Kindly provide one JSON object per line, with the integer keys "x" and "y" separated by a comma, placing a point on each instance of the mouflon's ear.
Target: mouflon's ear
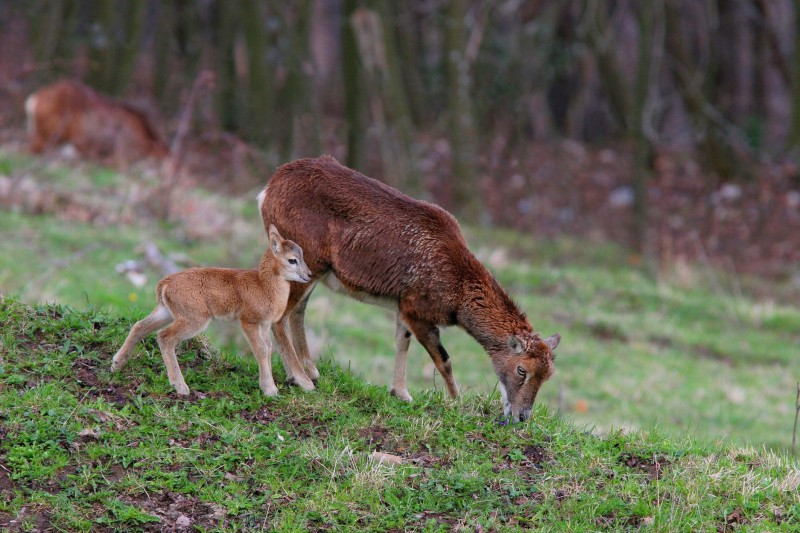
{"x": 515, "y": 344}
{"x": 552, "y": 341}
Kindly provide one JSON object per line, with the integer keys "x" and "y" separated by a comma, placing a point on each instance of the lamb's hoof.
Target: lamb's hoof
{"x": 270, "y": 391}
{"x": 116, "y": 366}
{"x": 182, "y": 389}
{"x": 401, "y": 395}
{"x": 305, "y": 384}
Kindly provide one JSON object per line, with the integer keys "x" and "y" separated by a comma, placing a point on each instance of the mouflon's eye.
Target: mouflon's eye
{"x": 292, "y": 261}
{"x": 521, "y": 371}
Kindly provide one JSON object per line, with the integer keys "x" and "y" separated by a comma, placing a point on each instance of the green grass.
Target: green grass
{"x": 686, "y": 352}
{"x": 82, "y": 450}
{"x": 672, "y": 404}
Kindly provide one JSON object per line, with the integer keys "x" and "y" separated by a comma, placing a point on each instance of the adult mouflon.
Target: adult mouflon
{"x": 365, "y": 239}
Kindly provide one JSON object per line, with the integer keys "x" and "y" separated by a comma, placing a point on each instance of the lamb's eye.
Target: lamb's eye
{"x": 292, "y": 261}
{"x": 521, "y": 371}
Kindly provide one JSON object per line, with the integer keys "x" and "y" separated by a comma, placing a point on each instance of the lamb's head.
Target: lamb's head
{"x": 289, "y": 256}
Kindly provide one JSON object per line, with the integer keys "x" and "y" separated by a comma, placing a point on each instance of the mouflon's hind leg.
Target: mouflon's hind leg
{"x": 298, "y": 331}
{"x": 402, "y": 340}
{"x": 295, "y": 375}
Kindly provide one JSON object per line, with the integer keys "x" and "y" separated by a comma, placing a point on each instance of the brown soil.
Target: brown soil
{"x": 86, "y": 377}
{"x": 654, "y": 466}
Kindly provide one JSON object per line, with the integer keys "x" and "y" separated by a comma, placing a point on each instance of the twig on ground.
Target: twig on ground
{"x": 796, "y": 413}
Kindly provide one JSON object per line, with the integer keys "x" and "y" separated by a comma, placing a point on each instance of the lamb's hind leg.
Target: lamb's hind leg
{"x": 156, "y": 320}
{"x": 168, "y": 340}
{"x": 402, "y": 341}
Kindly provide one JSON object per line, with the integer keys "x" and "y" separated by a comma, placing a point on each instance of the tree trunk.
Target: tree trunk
{"x": 101, "y": 45}
{"x": 127, "y": 47}
{"x": 716, "y": 154}
{"x": 645, "y": 15}
{"x": 794, "y": 128}
{"x": 599, "y": 37}
{"x": 227, "y": 105}
{"x": 411, "y": 65}
{"x": 461, "y": 123}
{"x": 260, "y": 89}
{"x": 295, "y": 99}
{"x": 162, "y": 50}
{"x": 53, "y": 23}
{"x": 353, "y": 89}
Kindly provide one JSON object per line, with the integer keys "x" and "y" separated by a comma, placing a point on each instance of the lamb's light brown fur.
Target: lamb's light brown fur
{"x": 68, "y": 111}
{"x": 373, "y": 243}
{"x": 189, "y": 300}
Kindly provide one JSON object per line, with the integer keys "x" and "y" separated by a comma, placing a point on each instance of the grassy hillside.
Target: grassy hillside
{"x": 81, "y": 449}
{"x": 687, "y": 351}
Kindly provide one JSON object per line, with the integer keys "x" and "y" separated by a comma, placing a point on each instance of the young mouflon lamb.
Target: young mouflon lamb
{"x": 189, "y": 300}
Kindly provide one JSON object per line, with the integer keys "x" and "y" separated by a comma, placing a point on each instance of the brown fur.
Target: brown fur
{"x": 189, "y": 300}
{"x": 370, "y": 241}
{"x": 68, "y": 111}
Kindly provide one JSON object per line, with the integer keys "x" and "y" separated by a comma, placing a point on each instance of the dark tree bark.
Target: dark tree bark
{"x": 794, "y": 127}
{"x": 260, "y": 89}
{"x": 644, "y": 16}
{"x": 126, "y": 45}
{"x": 461, "y": 122}
{"x": 354, "y": 99}
{"x": 101, "y": 45}
{"x": 227, "y": 94}
{"x": 162, "y": 48}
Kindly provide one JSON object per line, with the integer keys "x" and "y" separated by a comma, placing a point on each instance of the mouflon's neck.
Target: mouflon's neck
{"x": 488, "y": 313}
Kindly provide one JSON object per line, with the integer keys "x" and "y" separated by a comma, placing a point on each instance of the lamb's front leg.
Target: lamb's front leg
{"x": 260, "y": 344}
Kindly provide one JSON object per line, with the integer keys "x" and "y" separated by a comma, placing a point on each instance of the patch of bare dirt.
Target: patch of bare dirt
{"x": 306, "y": 426}
{"x": 613, "y": 522}
{"x": 260, "y": 416}
{"x": 654, "y": 466}
{"x": 530, "y": 465}
{"x": 178, "y": 512}
{"x": 732, "y": 521}
{"x": 202, "y": 441}
{"x": 30, "y": 518}
{"x": 6, "y": 485}
{"x": 85, "y": 371}
{"x": 376, "y": 436}
{"x": 425, "y": 519}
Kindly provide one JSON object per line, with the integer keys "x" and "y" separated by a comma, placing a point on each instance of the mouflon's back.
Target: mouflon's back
{"x": 373, "y": 237}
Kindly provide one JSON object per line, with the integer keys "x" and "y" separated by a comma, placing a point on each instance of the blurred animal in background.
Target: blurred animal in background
{"x": 69, "y": 112}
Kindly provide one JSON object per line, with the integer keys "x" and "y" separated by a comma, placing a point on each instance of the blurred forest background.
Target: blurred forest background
{"x": 669, "y": 126}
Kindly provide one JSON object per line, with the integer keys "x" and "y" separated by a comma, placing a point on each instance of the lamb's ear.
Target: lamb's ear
{"x": 274, "y": 239}
{"x": 515, "y": 344}
{"x": 552, "y": 341}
